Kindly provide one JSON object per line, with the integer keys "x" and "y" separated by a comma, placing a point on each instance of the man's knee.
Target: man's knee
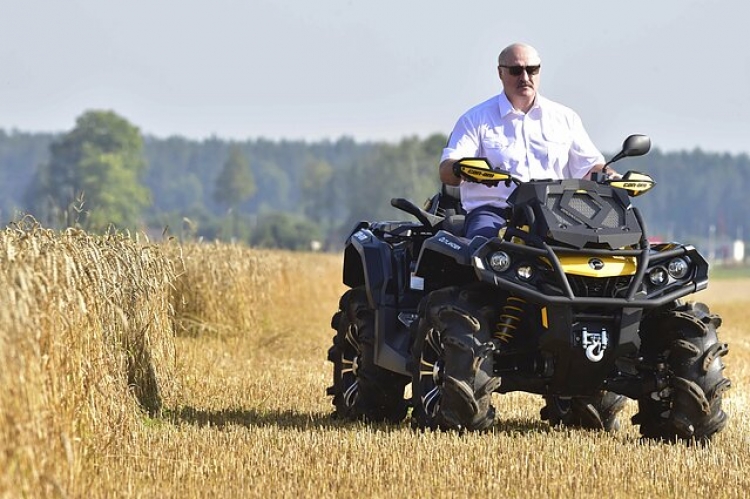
{"x": 484, "y": 223}
{"x": 486, "y": 231}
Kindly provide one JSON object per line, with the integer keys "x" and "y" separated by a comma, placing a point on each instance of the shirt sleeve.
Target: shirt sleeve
{"x": 463, "y": 142}
{"x": 583, "y": 155}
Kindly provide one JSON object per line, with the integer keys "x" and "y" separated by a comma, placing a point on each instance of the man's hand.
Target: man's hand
{"x": 446, "y": 173}
{"x": 610, "y": 173}
{"x": 457, "y": 170}
{"x": 613, "y": 175}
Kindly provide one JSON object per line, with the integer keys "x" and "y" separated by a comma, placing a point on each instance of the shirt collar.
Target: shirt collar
{"x": 506, "y": 107}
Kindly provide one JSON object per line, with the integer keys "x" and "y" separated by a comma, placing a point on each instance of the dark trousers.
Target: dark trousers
{"x": 485, "y": 221}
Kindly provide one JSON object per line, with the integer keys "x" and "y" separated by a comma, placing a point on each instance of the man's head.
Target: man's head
{"x": 518, "y": 66}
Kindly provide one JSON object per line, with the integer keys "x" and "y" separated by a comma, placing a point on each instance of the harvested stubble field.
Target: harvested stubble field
{"x": 133, "y": 369}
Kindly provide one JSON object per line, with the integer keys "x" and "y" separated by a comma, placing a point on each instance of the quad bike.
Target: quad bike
{"x": 570, "y": 301}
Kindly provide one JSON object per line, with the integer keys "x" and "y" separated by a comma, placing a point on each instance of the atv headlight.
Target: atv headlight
{"x": 657, "y": 276}
{"x": 678, "y": 268}
{"x": 500, "y": 261}
{"x": 525, "y": 272}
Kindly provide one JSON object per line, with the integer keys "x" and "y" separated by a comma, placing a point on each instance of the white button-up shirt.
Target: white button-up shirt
{"x": 548, "y": 142}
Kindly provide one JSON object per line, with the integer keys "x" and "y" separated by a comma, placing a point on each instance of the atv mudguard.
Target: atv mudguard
{"x": 367, "y": 262}
{"x": 372, "y": 263}
{"x": 445, "y": 259}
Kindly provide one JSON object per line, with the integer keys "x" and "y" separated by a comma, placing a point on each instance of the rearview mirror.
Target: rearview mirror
{"x": 634, "y": 145}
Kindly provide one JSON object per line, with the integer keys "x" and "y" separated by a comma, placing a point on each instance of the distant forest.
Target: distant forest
{"x": 316, "y": 191}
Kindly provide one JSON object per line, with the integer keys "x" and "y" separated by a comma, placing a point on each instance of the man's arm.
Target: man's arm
{"x": 446, "y": 173}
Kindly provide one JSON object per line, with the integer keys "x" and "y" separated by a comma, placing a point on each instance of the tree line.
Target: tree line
{"x": 105, "y": 174}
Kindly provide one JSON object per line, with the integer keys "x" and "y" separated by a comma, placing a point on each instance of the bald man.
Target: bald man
{"x": 519, "y": 131}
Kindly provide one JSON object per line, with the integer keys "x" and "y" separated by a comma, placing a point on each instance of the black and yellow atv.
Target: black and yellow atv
{"x": 571, "y": 302}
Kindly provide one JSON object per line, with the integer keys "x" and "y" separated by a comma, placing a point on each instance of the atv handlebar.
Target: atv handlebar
{"x": 479, "y": 170}
{"x": 427, "y": 219}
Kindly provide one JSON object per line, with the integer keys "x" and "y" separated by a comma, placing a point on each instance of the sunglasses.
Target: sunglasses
{"x": 517, "y": 70}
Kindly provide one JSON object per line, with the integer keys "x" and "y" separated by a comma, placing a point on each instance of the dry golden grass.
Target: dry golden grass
{"x": 246, "y": 413}
{"x": 85, "y": 333}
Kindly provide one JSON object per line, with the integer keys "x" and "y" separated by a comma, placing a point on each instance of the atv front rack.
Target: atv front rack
{"x": 548, "y": 282}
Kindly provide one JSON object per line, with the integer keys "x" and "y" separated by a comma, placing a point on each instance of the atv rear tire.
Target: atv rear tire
{"x": 593, "y": 413}
{"x": 362, "y": 390}
{"x": 452, "y": 379}
{"x": 684, "y": 340}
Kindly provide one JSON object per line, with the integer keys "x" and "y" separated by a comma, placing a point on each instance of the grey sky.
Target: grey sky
{"x": 678, "y": 70}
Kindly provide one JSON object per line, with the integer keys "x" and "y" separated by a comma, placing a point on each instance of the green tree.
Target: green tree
{"x": 407, "y": 169}
{"x": 286, "y": 231}
{"x": 317, "y": 192}
{"x": 235, "y": 184}
{"x": 92, "y": 178}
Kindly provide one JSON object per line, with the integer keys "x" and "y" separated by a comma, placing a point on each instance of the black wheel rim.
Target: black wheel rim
{"x": 350, "y": 353}
{"x": 431, "y": 371}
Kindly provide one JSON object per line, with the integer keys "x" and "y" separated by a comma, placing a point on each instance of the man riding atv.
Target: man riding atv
{"x": 520, "y": 131}
{"x": 529, "y": 136}
{"x": 549, "y": 285}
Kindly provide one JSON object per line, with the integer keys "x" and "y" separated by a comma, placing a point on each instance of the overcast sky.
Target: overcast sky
{"x": 677, "y": 70}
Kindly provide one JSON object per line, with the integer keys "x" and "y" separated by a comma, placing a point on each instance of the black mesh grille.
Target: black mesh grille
{"x": 614, "y": 219}
{"x": 553, "y": 203}
{"x": 599, "y": 287}
{"x": 582, "y": 208}
{"x": 584, "y": 205}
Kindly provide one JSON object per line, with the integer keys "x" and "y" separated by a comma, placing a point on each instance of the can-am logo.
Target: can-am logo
{"x": 596, "y": 264}
{"x": 479, "y": 173}
{"x": 636, "y": 185}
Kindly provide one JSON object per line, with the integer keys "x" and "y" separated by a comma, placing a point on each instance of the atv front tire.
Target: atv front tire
{"x": 452, "y": 379}
{"x": 598, "y": 412}
{"x": 362, "y": 390}
{"x": 684, "y": 341}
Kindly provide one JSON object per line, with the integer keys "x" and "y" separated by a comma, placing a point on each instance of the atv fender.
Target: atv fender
{"x": 367, "y": 262}
{"x": 447, "y": 259}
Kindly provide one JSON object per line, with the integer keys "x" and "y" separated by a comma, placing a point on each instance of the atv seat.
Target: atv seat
{"x": 450, "y": 206}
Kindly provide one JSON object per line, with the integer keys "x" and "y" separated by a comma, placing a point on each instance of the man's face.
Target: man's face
{"x": 521, "y": 87}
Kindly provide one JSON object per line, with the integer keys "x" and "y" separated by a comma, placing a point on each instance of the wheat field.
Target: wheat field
{"x": 133, "y": 369}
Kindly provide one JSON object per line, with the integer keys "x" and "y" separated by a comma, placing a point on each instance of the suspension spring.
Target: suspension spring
{"x": 510, "y": 319}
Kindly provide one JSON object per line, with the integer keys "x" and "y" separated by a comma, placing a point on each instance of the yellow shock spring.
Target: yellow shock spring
{"x": 509, "y": 319}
